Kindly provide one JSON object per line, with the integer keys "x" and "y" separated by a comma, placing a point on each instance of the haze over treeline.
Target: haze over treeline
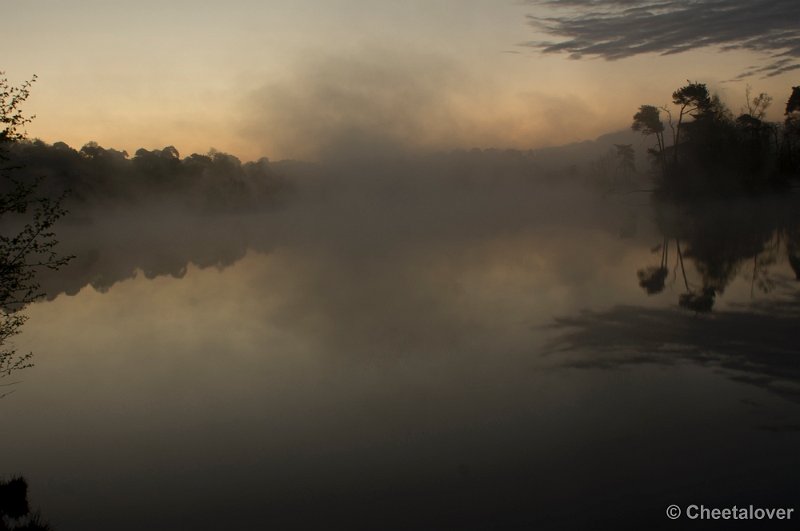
{"x": 697, "y": 145}
{"x": 157, "y": 212}
{"x": 368, "y": 192}
{"x": 97, "y": 176}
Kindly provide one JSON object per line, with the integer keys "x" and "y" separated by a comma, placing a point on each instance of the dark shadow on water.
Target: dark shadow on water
{"x": 756, "y": 344}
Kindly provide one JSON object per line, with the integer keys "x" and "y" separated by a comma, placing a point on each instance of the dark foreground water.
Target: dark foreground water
{"x": 397, "y": 360}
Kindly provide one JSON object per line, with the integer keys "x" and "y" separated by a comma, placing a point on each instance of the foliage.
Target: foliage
{"x": 27, "y": 241}
{"x": 714, "y": 154}
{"x": 790, "y": 152}
{"x": 793, "y": 105}
{"x": 100, "y": 177}
{"x": 11, "y": 116}
{"x": 648, "y": 121}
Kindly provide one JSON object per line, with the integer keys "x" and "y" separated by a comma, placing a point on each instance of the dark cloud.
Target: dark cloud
{"x": 619, "y": 29}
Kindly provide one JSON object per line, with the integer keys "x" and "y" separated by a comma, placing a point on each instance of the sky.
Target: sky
{"x": 304, "y": 78}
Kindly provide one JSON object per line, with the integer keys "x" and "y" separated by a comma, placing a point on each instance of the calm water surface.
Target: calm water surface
{"x": 406, "y": 361}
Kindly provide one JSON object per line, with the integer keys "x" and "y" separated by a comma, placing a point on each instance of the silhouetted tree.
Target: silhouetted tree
{"x": 626, "y": 160}
{"x": 793, "y": 104}
{"x": 27, "y": 242}
{"x": 692, "y": 100}
{"x": 791, "y": 145}
{"x": 648, "y": 121}
{"x": 615, "y": 168}
{"x": 714, "y": 154}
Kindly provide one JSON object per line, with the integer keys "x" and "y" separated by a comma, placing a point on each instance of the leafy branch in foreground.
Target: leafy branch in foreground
{"x": 27, "y": 240}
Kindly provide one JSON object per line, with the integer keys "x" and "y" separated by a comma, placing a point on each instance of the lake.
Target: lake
{"x": 402, "y": 355}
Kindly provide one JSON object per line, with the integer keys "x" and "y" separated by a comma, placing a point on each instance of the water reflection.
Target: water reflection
{"x": 110, "y": 247}
{"x": 756, "y": 343}
{"x": 704, "y": 249}
{"x": 353, "y": 219}
{"x": 721, "y": 240}
{"x": 365, "y": 359}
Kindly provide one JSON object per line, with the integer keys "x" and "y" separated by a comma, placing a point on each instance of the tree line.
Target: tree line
{"x": 701, "y": 149}
{"x": 97, "y": 176}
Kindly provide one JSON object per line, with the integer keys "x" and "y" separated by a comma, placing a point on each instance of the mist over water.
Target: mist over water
{"x": 409, "y": 340}
{"x": 377, "y": 326}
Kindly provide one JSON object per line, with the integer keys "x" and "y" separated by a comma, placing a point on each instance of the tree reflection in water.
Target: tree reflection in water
{"x": 753, "y": 342}
{"x": 721, "y": 240}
